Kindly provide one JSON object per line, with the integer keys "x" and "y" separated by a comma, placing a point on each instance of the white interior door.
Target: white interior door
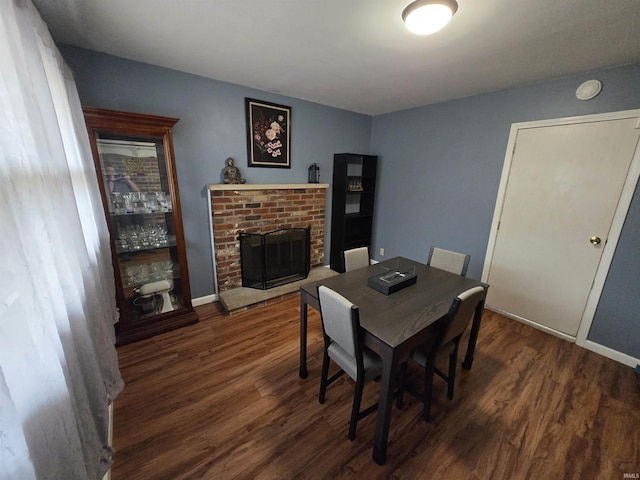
{"x": 561, "y": 189}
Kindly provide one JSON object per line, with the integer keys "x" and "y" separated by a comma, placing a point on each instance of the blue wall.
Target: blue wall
{"x": 212, "y": 127}
{"x": 617, "y": 320}
{"x": 439, "y": 165}
{"x": 440, "y": 168}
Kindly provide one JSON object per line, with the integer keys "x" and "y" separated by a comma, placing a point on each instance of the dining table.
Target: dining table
{"x": 393, "y": 324}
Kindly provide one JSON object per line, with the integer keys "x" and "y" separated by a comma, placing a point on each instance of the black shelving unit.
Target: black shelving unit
{"x": 354, "y": 186}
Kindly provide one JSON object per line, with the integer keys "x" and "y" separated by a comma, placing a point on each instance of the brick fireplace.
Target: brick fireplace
{"x": 257, "y": 208}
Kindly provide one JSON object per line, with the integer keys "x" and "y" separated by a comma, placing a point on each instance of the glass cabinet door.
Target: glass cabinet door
{"x": 134, "y": 161}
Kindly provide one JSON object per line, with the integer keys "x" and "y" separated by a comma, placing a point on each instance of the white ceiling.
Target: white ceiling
{"x": 356, "y": 54}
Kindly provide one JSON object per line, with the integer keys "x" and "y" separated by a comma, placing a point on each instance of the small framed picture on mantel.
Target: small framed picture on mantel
{"x": 268, "y": 134}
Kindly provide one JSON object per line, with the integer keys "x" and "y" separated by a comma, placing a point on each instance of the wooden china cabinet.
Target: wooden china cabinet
{"x": 134, "y": 160}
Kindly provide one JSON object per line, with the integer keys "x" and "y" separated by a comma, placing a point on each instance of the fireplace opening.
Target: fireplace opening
{"x": 275, "y": 258}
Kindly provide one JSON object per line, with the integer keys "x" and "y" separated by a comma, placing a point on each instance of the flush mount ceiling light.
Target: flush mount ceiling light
{"x": 589, "y": 89}
{"x": 423, "y": 17}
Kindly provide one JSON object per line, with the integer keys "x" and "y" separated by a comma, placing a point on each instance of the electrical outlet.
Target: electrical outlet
{"x": 381, "y": 252}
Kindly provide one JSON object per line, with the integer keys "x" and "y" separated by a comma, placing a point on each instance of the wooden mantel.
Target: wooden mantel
{"x": 266, "y": 186}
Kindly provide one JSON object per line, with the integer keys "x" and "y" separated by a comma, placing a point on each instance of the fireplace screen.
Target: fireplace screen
{"x": 275, "y": 258}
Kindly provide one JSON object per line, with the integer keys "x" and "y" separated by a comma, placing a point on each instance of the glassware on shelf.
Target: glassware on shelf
{"x": 142, "y": 237}
{"x": 138, "y": 274}
{"x": 140, "y": 202}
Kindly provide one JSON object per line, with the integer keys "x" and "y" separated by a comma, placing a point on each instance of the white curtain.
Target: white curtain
{"x": 58, "y": 363}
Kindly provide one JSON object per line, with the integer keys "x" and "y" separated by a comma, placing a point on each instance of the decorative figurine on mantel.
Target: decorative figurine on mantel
{"x": 231, "y": 173}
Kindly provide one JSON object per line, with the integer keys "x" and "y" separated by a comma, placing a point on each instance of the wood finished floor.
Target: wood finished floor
{"x": 222, "y": 400}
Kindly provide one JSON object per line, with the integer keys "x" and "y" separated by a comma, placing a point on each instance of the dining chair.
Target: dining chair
{"x": 356, "y": 258}
{"x": 343, "y": 345}
{"x": 453, "y": 262}
{"x": 444, "y": 342}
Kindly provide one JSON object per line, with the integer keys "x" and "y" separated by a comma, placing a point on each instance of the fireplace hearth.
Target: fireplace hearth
{"x": 275, "y": 258}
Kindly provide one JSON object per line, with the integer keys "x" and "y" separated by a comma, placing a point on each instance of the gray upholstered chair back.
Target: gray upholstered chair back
{"x": 468, "y": 301}
{"x": 453, "y": 262}
{"x": 356, "y": 258}
{"x": 338, "y": 320}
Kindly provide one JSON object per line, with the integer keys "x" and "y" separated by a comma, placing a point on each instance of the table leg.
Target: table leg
{"x": 385, "y": 402}
{"x": 473, "y": 336}
{"x": 303, "y": 335}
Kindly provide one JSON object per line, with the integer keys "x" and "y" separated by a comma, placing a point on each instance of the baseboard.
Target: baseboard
{"x": 196, "y": 302}
{"x": 535, "y": 325}
{"x": 589, "y": 345}
{"x": 612, "y": 354}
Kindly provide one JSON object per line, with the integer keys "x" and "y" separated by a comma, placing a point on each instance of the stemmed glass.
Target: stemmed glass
{"x": 118, "y": 202}
{"x": 162, "y": 234}
{"x": 152, "y": 202}
{"x": 164, "y": 201}
{"x": 167, "y": 265}
{"x": 124, "y": 238}
{"x": 140, "y": 202}
{"x": 128, "y": 202}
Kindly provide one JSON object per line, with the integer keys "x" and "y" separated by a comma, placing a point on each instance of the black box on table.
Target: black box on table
{"x": 393, "y": 280}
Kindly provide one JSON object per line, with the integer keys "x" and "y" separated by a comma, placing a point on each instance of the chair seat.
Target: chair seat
{"x": 420, "y": 353}
{"x": 371, "y": 361}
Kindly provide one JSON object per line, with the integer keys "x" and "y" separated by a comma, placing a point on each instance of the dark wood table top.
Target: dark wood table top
{"x": 416, "y": 306}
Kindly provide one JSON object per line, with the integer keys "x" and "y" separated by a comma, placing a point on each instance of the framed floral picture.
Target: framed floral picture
{"x": 268, "y": 134}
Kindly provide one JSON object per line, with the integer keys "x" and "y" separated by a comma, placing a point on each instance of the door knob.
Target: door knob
{"x": 595, "y": 240}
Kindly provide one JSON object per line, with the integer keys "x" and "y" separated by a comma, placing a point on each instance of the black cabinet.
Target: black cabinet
{"x": 133, "y": 155}
{"x": 354, "y": 186}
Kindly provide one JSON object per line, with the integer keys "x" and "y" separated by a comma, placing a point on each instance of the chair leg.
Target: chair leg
{"x": 323, "y": 376}
{"x": 451, "y": 377}
{"x": 403, "y": 374}
{"x": 429, "y": 372}
{"x": 355, "y": 410}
